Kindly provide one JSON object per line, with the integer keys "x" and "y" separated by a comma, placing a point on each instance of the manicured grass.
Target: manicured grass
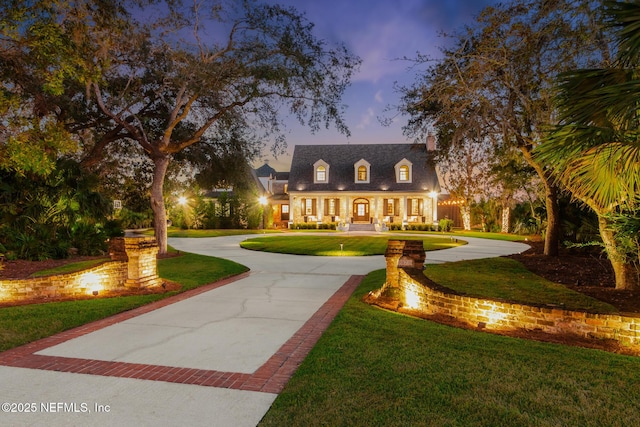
{"x": 71, "y": 267}
{"x": 478, "y": 234}
{"x": 23, "y": 324}
{"x": 507, "y": 279}
{"x": 330, "y": 245}
{"x": 27, "y": 323}
{"x": 373, "y": 367}
{"x": 177, "y": 232}
{"x": 192, "y": 270}
{"x": 493, "y": 236}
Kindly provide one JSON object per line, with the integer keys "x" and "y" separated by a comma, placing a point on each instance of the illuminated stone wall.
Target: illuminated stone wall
{"x": 133, "y": 264}
{"x": 408, "y": 290}
{"x": 108, "y": 276}
{"x": 423, "y": 296}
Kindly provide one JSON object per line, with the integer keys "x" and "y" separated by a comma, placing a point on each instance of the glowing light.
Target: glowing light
{"x": 494, "y": 315}
{"x": 262, "y": 200}
{"x": 182, "y": 200}
{"x": 412, "y": 299}
{"x": 92, "y": 282}
{"x": 433, "y": 195}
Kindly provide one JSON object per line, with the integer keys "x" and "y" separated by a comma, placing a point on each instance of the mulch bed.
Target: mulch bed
{"x": 584, "y": 270}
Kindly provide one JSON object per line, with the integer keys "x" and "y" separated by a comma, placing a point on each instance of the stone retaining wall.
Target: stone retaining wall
{"x": 133, "y": 264}
{"x": 108, "y": 276}
{"x": 408, "y": 289}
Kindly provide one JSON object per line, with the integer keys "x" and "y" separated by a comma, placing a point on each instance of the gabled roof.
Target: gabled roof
{"x": 265, "y": 171}
{"x": 282, "y": 176}
{"x": 382, "y": 158}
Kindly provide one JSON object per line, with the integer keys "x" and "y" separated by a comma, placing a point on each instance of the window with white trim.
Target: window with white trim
{"x": 404, "y": 171}
{"x": 362, "y": 171}
{"x": 320, "y": 172}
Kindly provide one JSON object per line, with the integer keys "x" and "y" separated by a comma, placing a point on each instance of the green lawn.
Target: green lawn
{"x": 23, "y": 324}
{"x": 338, "y": 245}
{"x": 177, "y": 232}
{"x": 70, "y": 267}
{"x": 507, "y": 279}
{"x": 472, "y": 233}
{"x": 378, "y": 368}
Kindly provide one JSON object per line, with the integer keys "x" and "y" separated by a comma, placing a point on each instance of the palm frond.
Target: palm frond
{"x": 624, "y": 17}
{"x": 605, "y": 98}
{"x": 603, "y": 176}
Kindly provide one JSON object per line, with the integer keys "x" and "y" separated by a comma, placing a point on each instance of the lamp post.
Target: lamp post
{"x": 263, "y": 202}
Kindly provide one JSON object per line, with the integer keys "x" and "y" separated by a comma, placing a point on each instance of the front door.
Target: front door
{"x": 361, "y": 210}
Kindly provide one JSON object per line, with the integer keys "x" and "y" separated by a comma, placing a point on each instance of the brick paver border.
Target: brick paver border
{"x": 271, "y": 377}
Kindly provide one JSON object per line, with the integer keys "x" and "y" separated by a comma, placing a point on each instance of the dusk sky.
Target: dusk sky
{"x": 380, "y": 32}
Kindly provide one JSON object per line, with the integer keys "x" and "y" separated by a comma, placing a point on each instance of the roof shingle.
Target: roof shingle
{"x": 341, "y": 160}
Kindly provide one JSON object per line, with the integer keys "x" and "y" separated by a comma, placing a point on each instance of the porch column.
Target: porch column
{"x": 376, "y": 216}
{"x": 294, "y": 208}
{"x": 405, "y": 217}
{"x": 434, "y": 206}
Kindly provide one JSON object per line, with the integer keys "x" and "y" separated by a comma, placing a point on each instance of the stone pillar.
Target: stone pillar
{"x": 413, "y": 255}
{"x": 140, "y": 254}
{"x": 392, "y": 255}
{"x": 402, "y": 254}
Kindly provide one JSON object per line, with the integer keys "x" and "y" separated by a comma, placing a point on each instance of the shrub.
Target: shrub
{"x": 445, "y": 224}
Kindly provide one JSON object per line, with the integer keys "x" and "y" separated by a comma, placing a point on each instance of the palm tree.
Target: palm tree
{"x": 595, "y": 151}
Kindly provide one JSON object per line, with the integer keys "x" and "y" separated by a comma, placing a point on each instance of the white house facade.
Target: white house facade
{"x": 376, "y": 184}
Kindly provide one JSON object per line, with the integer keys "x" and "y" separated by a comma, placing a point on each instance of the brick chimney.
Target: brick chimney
{"x": 431, "y": 142}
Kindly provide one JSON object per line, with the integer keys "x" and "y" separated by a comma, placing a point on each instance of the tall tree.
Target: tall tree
{"x": 595, "y": 151}
{"x": 170, "y": 76}
{"x": 510, "y": 180}
{"x": 42, "y": 47}
{"x": 465, "y": 172}
{"x": 498, "y": 76}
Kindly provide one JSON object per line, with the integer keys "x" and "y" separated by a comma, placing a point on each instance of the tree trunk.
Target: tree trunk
{"x": 552, "y": 236}
{"x": 506, "y": 219}
{"x": 157, "y": 202}
{"x": 624, "y": 271}
{"x": 465, "y": 212}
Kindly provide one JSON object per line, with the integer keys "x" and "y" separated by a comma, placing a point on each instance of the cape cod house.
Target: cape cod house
{"x": 374, "y": 184}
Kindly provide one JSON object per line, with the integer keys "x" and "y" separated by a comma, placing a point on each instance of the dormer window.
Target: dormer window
{"x": 320, "y": 172}
{"x": 404, "y": 171}
{"x": 362, "y": 171}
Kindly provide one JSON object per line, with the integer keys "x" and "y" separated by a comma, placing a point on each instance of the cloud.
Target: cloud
{"x": 382, "y": 32}
{"x": 378, "y": 97}
{"x": 365, "y": 119}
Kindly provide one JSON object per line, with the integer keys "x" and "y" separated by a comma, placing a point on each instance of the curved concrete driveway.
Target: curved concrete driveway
{"x": 218, "y": 358}
{"x": 229, "y": 248}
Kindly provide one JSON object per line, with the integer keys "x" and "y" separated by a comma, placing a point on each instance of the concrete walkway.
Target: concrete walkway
{"x": 214, "y": 356}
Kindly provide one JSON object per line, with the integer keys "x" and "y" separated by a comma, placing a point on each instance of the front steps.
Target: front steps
{"x": 362, "y": 227}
